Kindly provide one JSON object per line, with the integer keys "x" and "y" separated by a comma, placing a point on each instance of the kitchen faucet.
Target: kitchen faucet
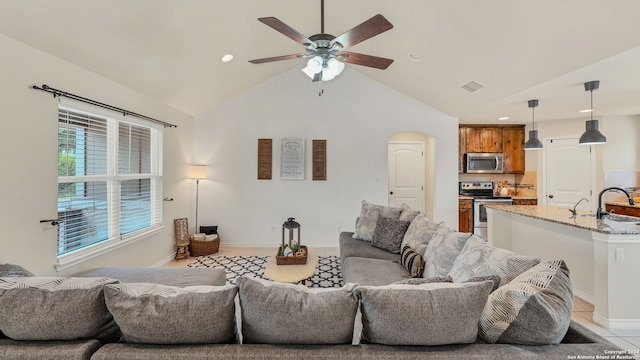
{"x": 578, "y": 203}
{"x": 600, "y": 212}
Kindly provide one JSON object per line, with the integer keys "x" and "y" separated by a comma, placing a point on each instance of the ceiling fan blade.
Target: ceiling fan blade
{"x": 368, "y": 29}
{"x": 287, "y": 31}
{"x": 277, "y": 58}
{"x": 366, "y": 60}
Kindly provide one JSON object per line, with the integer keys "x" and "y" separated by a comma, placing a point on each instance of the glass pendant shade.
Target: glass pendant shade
{"x": 592, "y": 135}
{"x": 533, "y": 143}
{"x": 314, "y": 66}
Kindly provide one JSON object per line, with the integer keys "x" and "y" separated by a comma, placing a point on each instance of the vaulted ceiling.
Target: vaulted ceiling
{"x": 518, "y": 50}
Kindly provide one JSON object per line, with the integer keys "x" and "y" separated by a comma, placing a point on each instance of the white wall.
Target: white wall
{"x": 28, "y": 144}
{"x": 356, "y": 116}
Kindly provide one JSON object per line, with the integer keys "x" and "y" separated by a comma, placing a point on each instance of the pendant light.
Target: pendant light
{"x": 533, "y": 143}
{"x": 592, "y": 136}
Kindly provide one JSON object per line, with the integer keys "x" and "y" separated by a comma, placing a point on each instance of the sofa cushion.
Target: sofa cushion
{"x": 407, "y": 213}
{"x": 350, "y": 247}
{"x": 48, "y": 350}
{"x": 495, "y": 279}
{"x": 533, "y": 309}
{"x": 172, "y": 276}
{"x": 479, "y": 258}
{"x": 54, "y": 308}
{"x": 428, "y": 314}
{"x": 412, "y": 262}
{"x": 277, "y": 313}
{"x": 161, "y": 314}
{"x": 366, "y": 271}
{"x": 389, "y": 233}
{"x": 419, "y": 233}
{"x": 366, "y": 223}
{"x": 442, "y": 250}
{"x": 11, "y": 270}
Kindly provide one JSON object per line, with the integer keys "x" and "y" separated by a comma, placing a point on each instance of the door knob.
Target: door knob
{"x": 391, "y": 192}
{"x": 550, "y": 196}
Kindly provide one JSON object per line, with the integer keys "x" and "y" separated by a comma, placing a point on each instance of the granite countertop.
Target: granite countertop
{"x": 584, "y": 219}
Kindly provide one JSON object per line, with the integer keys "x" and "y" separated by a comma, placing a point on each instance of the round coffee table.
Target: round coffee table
{"x": 292, "y": 273}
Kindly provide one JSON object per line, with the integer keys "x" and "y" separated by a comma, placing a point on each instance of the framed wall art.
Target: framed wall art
{"x": 292, "y": 159}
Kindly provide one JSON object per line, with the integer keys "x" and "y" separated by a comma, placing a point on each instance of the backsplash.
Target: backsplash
{"x": 629, "y": 181}
{"x": 523, "y": 185}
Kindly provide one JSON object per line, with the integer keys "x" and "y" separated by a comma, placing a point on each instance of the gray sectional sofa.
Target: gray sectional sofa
{"x": 389, "y": 308}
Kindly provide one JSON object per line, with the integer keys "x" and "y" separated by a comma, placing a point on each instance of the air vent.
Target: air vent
{"x": 472, "y": 86}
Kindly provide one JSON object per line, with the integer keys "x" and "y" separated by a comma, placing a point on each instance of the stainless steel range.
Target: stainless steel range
{"x": 483, "y": 193}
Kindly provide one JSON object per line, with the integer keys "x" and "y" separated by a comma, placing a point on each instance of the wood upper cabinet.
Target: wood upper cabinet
{"x": 484, "y": 139}
{"x": 513, "y": 150}
{"x": 505, "y": 139}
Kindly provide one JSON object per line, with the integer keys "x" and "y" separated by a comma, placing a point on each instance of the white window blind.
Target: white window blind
{"x": 109, "y": 179}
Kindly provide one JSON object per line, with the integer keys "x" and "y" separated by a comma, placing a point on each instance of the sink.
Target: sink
{"x": 622, "y": 219}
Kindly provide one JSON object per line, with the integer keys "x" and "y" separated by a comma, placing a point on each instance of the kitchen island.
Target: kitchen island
{"x": 602, "y": 255}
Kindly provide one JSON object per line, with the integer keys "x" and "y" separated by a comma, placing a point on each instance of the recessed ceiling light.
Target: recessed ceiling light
{"x": 415, "y": 57}
{"x": 586, "y": 110}
{"x": 504, "y": 118}
{"x": 226, "y": 58}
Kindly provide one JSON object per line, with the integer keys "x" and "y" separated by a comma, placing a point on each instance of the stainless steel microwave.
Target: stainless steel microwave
{"x": 484, "y": 163}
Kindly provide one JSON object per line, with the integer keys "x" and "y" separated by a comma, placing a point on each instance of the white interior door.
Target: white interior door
{"x": 406, "y": 174}
{"x": 567, "y": 173}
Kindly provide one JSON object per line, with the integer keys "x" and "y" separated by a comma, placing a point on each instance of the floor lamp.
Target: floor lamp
{"x": 197, "y": 172}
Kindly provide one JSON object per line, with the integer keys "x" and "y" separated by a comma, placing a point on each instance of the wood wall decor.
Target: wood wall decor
{"x": 319, "y": 159}
{"x": 265, "y": 150}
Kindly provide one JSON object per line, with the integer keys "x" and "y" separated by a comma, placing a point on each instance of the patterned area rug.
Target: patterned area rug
{"x": 327, "y": 275}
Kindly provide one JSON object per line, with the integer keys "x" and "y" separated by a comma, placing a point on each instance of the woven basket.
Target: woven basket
{"x": 204, "y": 247}
{"x": 291, "y": 260}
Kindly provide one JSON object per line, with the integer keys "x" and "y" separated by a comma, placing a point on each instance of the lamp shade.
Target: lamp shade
{"x": 592, "y": 136}
{"x": 198, "y": 172}
{"x": 533, "y": 143}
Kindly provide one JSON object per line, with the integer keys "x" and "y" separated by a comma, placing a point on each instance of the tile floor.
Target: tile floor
{"x": 582, "y": 312}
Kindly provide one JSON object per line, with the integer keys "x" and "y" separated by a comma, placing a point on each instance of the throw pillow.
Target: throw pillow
{"x": 54, "y": 308}
{"x": 407, "y": 213}
{"x": 389, "y": 233}
{"x": 11, "y": 270}
{"x": 162, "y": 314}
{"x": 495, "y": 279}
{"x": 366, "y": 223}
{"x": 533, "y": 309}
{"x": 419, "y": 233}
{"x": 479, "y": 258}
{"x": 442, "y": 250}
{"x": 277, "y": 313}
{"x": 412, "y": 262}
{"x": 428, "y": 314}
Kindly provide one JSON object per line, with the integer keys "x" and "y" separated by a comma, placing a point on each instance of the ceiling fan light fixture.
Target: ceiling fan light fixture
{"x": 314, "y": 66}
{"x": 331, "y": 69}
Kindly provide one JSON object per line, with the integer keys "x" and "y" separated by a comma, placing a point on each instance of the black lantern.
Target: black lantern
{"x": 291, "y": 233}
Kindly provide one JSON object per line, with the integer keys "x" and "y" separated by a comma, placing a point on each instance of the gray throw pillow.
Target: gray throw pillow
{"x": 277, "y": 313}
{"x": 389, "y": 233}
{"x": 162, "y": 314}
{"x": 428, "y": 314}
{"x": 533, "y": 309}
{"x": 407, "y": 213}
{"x": 495, "y": 279}
{"x": 366, "y": 223}
{"x": 442, "y": 251}
{"x": 11, "y": 270}
{"x": 54, "y": 308}
{"x": 479, "y": 258}
{"x": 419, "y": 233}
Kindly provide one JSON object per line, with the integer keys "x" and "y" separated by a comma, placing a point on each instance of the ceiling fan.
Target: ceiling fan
{"x": 325, "y": 52}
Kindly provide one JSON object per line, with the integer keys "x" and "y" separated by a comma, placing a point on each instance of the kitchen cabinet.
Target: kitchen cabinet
{"x": 505, "y": 139}
{"x": 623, "y": 209}
{"x": 462, "y": 148}
{"x": 484, "y": 139}
{"x": 465, "y": 215}
{"x": 513, "y": 150}
{"x": 525, "y": 201}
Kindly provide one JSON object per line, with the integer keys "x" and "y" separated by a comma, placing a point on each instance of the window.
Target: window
{"x": 109, "y": 181}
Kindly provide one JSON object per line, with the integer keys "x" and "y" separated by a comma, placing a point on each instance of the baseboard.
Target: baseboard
{"x": 616, "y": 323}
{"x": 165, "y": 261}
{"x": 588, "y": 298}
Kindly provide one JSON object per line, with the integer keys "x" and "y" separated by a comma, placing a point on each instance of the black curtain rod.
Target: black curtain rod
{"x": 57, "y": 92}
